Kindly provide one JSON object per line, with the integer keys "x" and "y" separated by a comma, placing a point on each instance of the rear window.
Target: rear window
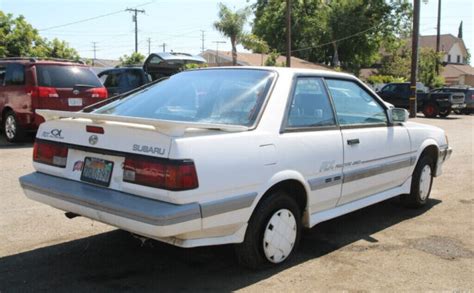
{"x": 59, "y": 76}
{"x": 220, "y": 96}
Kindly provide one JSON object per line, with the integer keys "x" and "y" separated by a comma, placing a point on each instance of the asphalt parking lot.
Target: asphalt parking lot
{"x": 384, "y": 247}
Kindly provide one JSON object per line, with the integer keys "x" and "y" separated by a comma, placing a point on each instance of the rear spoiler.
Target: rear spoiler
{"x": 172, "y": 128}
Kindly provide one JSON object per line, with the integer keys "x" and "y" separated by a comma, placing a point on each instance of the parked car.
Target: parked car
{"x": 431, "y": 104}
{"x": 28, "y": 84}
{"x": 123, "y": 79}
{"x": 159, "y": 65}
{"x": 245, "y": 155}
{"x": 468, "y": 96}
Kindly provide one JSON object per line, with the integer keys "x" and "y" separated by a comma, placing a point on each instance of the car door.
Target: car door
{"x": 311, "y": 143}
{"x": 3, "y": 71}
{"x": 377, "y": 155}
{"x": 112, "y": 82}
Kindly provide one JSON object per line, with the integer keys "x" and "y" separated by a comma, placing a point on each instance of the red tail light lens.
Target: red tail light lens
{"x": 164, "y": 174}
{"x": 42, "y": 92}
{"x": 99, "y": 92}
{"x": 472, "y": 97}
{"x": 94, "y": 129}
{"x": 50, "y": 153}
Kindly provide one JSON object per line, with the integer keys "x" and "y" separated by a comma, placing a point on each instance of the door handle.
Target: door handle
{"x": 353, "y": 141}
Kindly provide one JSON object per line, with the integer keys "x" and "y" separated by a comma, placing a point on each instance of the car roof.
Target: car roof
{"x": 287, "y": 70}
{"x": 33, "y": 61}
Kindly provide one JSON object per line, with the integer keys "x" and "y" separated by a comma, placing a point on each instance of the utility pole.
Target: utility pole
{"x": 94, "y": 49}
{"x": 414, "y": 57}
{"x": 438, "y": 32}
{"x": 217, "y": 50}
{"x": 288, "y": 33}
{"x": 135, "y": 19}
{"x": 202, "y": 40}
{"x": 164, "y": 47}
{"x": 149, "y": 45}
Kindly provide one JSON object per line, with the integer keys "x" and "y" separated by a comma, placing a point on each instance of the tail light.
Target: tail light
{"x": 99, "y": 92}
{"x": 165, "y": 174}
{"x": 42, "y": 92}
{"x": 50, "y": 153}
{"x": 472, "y": 97}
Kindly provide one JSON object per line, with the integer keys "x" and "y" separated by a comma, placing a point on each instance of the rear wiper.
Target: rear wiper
{"x": 99, "y": 104}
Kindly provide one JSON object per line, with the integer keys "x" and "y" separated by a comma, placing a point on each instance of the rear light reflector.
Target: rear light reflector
{"x": 50, "y": 153}
{"x": 99, "y": 92}
{"x": 94, "y": 129}
{"x": 42, "y": 92}
{"x": 164, "y": 174}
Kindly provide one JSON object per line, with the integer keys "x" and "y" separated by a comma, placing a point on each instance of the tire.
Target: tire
{"x": 13, "y": 132}
{"x": 257, "y": 250}
{"x": 430, "y": 110}
{"x": 421, "y": 183}
{"x": 444, "y": 113}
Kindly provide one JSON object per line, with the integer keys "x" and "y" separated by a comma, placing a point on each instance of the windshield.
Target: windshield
{"x": 219, "y": 96}
{"x": 60, "y": 76}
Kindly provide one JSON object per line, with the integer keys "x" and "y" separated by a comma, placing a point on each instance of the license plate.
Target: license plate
{"x": 74, "y": 102}
{"x": 97, "y": 171}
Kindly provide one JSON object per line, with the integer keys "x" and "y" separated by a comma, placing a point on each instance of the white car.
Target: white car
{"x": 234, "y": 155}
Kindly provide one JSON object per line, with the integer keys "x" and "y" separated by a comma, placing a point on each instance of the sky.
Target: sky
{"x": 177, "y": 23}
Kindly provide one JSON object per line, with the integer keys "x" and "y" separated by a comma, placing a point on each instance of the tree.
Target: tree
{"x": 427, "y": 68}
{"x": 18, "y": 38}
{"x": 254, "y": 43}
{"x": 345, "y": 32}
{"x": 231, "y": 25}
{"x": 134, "y": 59}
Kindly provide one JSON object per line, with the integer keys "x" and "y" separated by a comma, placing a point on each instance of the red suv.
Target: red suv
{"x": 27, "y": 84}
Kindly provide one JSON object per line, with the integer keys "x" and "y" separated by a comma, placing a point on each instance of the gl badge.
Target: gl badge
{"x": 93, "y": 139}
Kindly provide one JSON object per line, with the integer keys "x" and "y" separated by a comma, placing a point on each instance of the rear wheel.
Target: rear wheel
{"x": 444, "y": 113}
{"x": 273, "y": 232}
{"x": 12, "y": 130}
{"x": 422, "y": 180}
{"x": 430, "y": 110}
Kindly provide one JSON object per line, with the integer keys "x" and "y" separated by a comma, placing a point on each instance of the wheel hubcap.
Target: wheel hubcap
{"x": 10, "y": 127}
{"x": 280, "y": 236}
{"x": 425, "y": 182}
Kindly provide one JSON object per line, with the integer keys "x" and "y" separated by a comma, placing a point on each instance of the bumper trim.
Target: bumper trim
{"x": 121, "y": 204}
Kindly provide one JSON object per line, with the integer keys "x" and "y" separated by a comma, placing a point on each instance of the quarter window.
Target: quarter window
{"x": 15, "y": 74}
{"x": 354, "y": 105}
{"x": 2, "y": 74}
{"x": 310, "y": 106}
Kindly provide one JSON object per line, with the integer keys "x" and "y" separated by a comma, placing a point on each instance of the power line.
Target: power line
{"x": 91, "y": 18}
{"x": 335, "y": 41}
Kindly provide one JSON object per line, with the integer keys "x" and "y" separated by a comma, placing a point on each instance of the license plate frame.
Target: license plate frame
{"x": 89, "y": 171}
{"x": 74, "y": 102}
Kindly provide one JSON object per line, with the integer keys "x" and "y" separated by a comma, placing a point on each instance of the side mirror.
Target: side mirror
{"x": 398, "y": 115}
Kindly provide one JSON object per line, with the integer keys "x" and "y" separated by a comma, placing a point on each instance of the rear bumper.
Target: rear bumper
{"x": 136, "y": 214}
{"x": 458, "y": 106}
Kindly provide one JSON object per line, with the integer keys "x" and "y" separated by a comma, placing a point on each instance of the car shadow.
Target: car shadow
{"x": 116, "y": 261}
{"x": 27, "y": 142}
{"x": 450, "y": 117}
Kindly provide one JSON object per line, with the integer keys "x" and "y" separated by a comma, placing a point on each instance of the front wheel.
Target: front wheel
{"x": 12, "y": 130}
{"x": 422, "y": 180}
{"x": 273, "y": 232}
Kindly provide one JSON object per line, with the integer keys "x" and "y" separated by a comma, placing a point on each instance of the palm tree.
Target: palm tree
{"x": 231, "y": 25}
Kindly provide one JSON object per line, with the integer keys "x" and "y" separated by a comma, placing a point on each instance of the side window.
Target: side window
{"x": 15, "y": 74}
{"x": 389, "y": 88}
{"x": 310, "y": 105}
{"x": 103, "y": 78}
{"x": 112, "y": 80}
{"x": 2, "y": 74}
{"x": 354, "y": 105}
